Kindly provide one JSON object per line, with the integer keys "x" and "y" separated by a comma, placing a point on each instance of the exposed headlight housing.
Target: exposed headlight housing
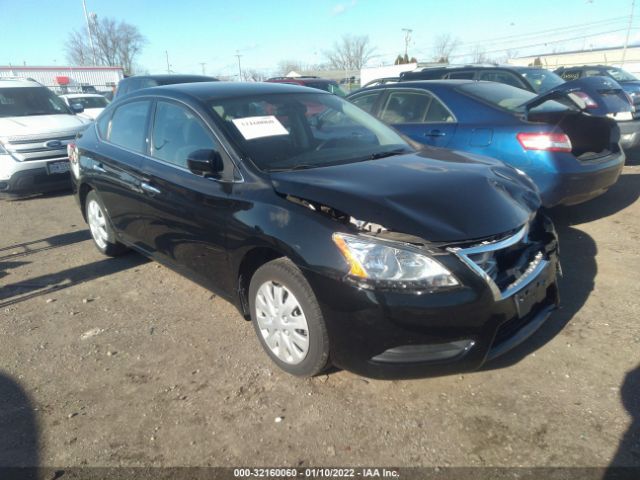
{"x": 375, "y": 263}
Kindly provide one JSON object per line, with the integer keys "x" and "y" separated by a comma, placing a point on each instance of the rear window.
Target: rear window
{"x": 540, "y": 79}
{"x": 327, "y": 87}
{"x": 505, "y": 96}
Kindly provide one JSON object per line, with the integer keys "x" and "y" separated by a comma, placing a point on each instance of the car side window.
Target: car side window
{"x": 405, "y": 107}
{"x": 103, "y": 124}
{"x": 129, "y": 125}
{"x": 502, "y": 77}
{"x": 569, "y": 75}
{"x": 466, "y": 75}
{"x": 177, "y": 132}
{"x": 594, "y": 73}
{"x": 438, "y": 113}
{"x": 366, "y": 101}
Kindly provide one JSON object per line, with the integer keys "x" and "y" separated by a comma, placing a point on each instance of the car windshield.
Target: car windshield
{"x": 25, "y": 101}
{"x": 505, "y": 96}
{"x": 540, "y": 79}
{"x": 620, "y": 75}
{"x": 304, "y": 130}
{"x": 89, "y": 102}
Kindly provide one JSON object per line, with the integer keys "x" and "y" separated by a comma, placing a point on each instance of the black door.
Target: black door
{"x": 117, "y": 167}
{"x": 188, "y": 213}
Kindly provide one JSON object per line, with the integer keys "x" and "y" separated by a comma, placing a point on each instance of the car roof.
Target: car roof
{"x": 14, "y": 82}
{"x": 300, "y": 80}
{"x": 172, "y": 77}
{"x": 208, "y": 90}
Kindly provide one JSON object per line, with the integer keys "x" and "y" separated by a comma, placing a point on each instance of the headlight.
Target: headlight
{"x": 391, "y": 265}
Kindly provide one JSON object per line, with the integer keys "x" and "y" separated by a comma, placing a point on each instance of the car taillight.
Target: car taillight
{"x": 550, "y": 142}
{"x": 589, "y": 102}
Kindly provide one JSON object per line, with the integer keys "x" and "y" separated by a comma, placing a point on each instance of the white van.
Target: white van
{"x": 35, "y": 127}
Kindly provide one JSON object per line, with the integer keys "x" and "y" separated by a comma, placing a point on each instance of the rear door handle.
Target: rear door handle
{"x": 150, "y": 188}
{"x": 435, "y": 133}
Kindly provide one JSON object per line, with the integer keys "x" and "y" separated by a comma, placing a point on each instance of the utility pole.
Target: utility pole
{"x": 407, "y": 38}
{"x": 239, "y": 66}
{"x": 202, "y": 64}
{"x": 166, "y": 52}
{"x": 626, "y": 40}
{"x": 86, "y": 18}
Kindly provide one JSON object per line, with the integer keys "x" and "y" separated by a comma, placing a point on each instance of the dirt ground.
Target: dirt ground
{"x": 121, "y": 362}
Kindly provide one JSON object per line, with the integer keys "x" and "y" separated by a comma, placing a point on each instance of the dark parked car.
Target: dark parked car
{"x": 608, "y": 98}
{"x": 628, "y": 82}
{"x": 537, "y": 80}
{"x": 570, "y": 155}
{"x": 327, "y": 85}
{"x": 137, "y": 82}
{"x": 342, "y": 243}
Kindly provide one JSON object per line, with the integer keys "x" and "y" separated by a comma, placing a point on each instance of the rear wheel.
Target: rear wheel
{"x": 101, "y": 231}
{"x": 287, "y": 319}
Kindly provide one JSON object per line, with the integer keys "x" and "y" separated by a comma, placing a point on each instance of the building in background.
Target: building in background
{"x": 597, "y": 56}
{"x": 69, "y": 79}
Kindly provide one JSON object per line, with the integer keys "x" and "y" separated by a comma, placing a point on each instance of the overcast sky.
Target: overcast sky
{"x": 267, "y": 31}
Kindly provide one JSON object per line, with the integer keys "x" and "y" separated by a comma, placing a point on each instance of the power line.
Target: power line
{"x": 549, "y": 42}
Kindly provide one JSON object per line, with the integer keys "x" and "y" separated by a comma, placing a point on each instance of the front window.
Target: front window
{"x": 304, "y": 130}
{"x": 620, "y": 75}
{"x": 540, "y": 79}
{"x": 27, "y": 101}
{"x": 89, "y": 102}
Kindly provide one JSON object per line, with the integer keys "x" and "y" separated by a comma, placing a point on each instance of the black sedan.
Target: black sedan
{"x": 341, "y": 242}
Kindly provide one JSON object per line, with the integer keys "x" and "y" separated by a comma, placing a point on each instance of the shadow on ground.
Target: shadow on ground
{"x": 626, "y": 462}
{"x": 18, "y": 430}
{"x": 46, "y": 284}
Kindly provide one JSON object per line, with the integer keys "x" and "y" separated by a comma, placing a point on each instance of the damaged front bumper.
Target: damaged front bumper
{"x": 392, "y": 334}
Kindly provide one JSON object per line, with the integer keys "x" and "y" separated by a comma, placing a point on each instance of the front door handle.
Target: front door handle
{"x": 150, "y": 188}
{"x": 435, "y": 133}
{"x": 99, "y": 168}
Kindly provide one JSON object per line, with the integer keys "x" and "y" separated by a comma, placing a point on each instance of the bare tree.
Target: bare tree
{"x": 250, "y": 75}
{"x": 443, "y": 47}
{"x": 115, "y": 44}
{"x": 479, "y": 55}
{"x": 286, "y": 66}
{"x": 350, "y": 53}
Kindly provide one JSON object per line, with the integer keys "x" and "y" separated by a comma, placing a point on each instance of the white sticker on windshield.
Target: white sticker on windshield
{"x": 258, "y": 127}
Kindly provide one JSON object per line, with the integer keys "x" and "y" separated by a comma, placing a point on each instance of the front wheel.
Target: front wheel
{"x": 287, "y": 319}
{"x": 101, "y": 231}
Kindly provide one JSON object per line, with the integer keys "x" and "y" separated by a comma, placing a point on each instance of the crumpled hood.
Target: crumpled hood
{"x": 438, "y": 195}
{"x": 41, "y": 125}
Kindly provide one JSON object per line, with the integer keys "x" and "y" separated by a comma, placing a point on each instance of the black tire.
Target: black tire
{"x": 284, "y": 272}
{"x": 110, "y": 246}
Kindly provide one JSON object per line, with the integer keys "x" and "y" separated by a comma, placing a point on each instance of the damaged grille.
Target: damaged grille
{"x": 509, "y": 262}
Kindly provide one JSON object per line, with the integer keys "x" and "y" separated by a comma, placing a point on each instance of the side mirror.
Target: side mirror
{"x": 77, "y": 108}
{"x": 207, "y": 163}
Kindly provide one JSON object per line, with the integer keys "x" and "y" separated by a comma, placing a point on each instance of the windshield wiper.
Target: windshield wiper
{"x": 388, "y": 153}
{"x": 300, "y": 166}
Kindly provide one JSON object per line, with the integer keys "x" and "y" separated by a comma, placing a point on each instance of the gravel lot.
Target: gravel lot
{"x": 121, "y": 362}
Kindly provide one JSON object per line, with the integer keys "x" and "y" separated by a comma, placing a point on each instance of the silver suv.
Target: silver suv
{"x": 35, "y": 127}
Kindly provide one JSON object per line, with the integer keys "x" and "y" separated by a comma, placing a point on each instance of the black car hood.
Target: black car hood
{"x": 436, "y": 194}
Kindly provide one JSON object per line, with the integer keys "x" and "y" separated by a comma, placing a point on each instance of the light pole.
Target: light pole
{"x": 407, "y": 38}
{"x": 202, "y": 64}
{"x": 239, "y": 66}
{"x": 86, "y": 18}
{"x": 626, "y": 40}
